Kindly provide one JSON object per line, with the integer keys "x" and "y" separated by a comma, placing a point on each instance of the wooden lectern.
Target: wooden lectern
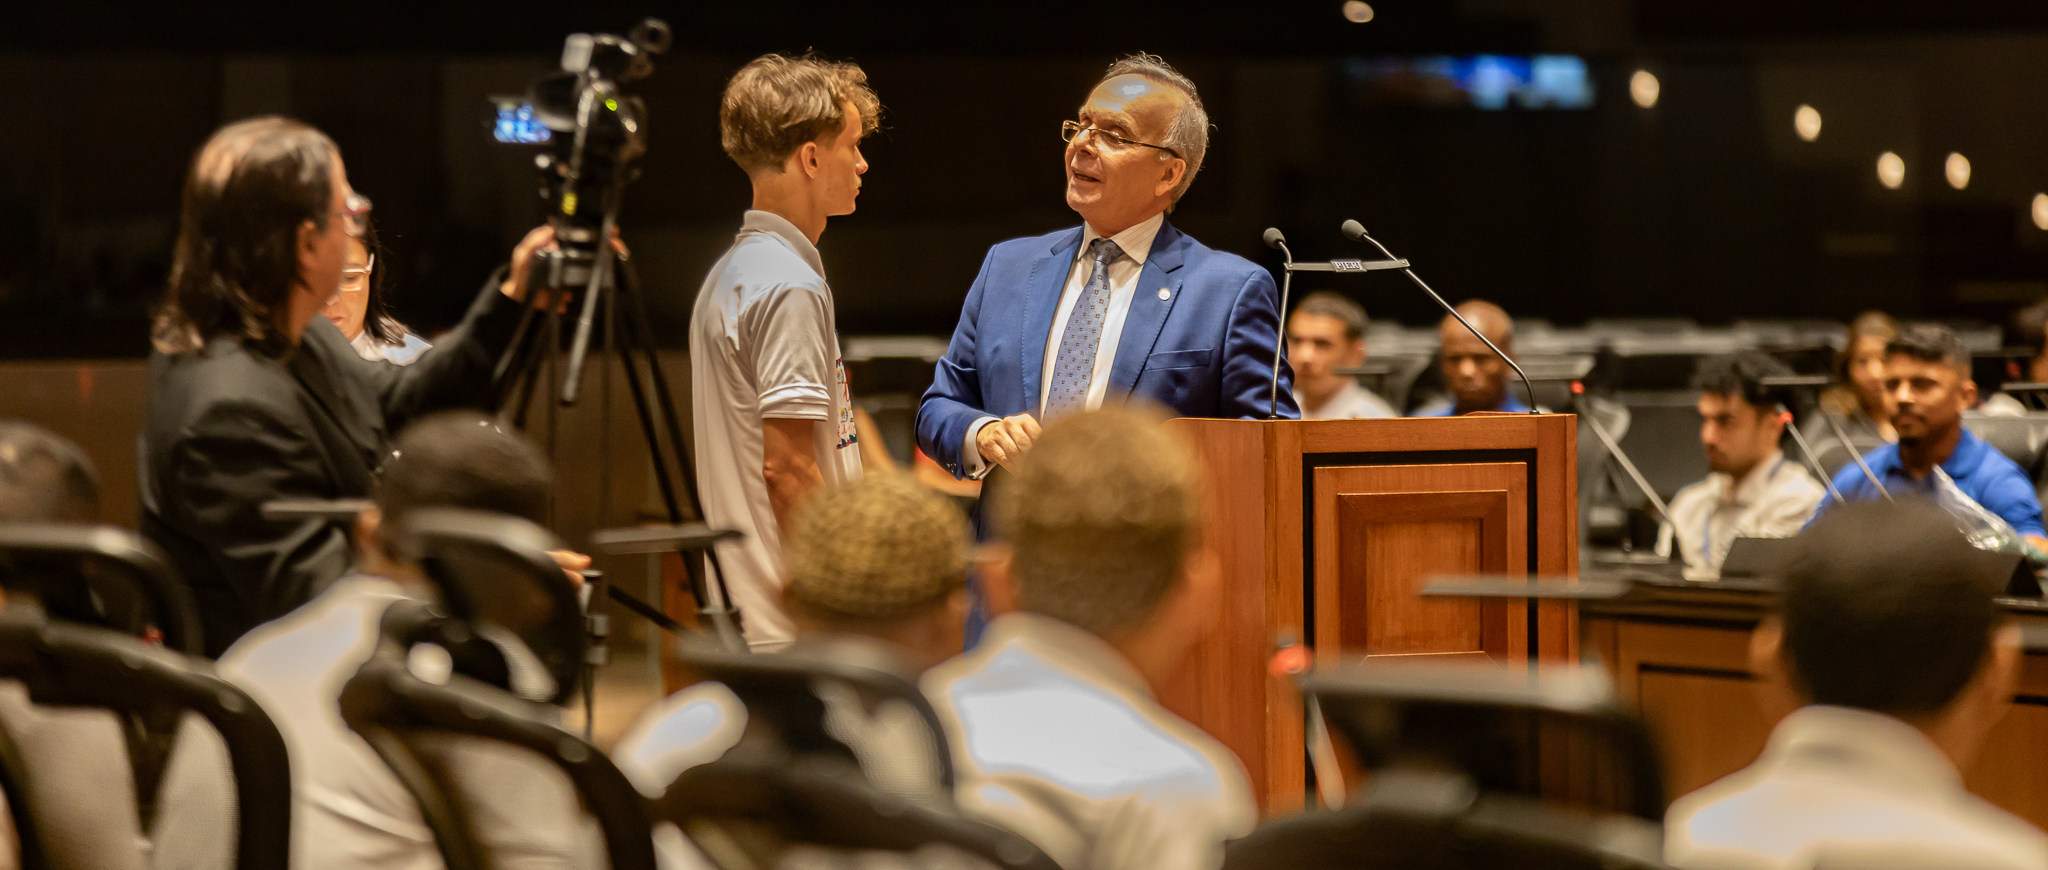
{"x": 1326, "y": 529}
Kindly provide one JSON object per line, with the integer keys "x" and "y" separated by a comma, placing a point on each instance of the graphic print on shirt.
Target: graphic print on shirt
{"x": 849, "y": 434}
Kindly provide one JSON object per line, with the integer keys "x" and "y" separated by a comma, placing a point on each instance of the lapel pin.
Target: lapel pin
{"x": 1165, "y": 294}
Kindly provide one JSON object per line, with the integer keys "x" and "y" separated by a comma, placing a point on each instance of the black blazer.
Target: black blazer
{"x": 229, "y": 429}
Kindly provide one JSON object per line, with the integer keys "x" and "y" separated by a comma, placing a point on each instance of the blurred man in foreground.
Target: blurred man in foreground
{"x": 1752, "y": 491}
{"x": 774, "y": 420}
{"x": 1054, "y": 725}
{"x": 882, "y": 559}
{"x": 1889, "y": 636}
{"x": 1325, "y": 338}
{"x": 349, "y": 811}
{"x": 1475, "y": 377}
{"x": 1927, "y": 373}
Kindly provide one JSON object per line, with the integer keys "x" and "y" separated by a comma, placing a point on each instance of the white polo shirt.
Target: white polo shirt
{"x": 1352, "y": 402}
{"x": 1774, "y": 501}
{"x": 763, "y": 345}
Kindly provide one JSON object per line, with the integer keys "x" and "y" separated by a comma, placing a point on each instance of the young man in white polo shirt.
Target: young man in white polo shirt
{"x": 1754, "y": 490}
{"x": 774, "y": 421}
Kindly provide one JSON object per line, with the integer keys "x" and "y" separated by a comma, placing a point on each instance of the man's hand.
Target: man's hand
{"x": 572, "y": 564}
{"x": 1005, "y": 441}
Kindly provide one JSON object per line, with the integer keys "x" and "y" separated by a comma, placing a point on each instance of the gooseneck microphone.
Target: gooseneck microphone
{"x": 1278, "y": 241}
{"x": 1355, "y": 231}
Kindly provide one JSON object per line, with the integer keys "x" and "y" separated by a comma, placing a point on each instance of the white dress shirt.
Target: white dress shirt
{"x": 1841, "y": 787}
{"x": 1136, "y": 242}
{"x": 1058, "y": 738}
{"x": 1774, "y": 501}
{"x": 1352, "y": 402}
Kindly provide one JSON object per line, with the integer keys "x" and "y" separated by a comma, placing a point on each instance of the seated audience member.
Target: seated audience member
{"x": 2026, "y": 330}
{"x": 84, "y": 789}
{"x": 883, "y": 558}
{"x": 1888, "y": 634}
{"x": 348, "y": 809}
{"x": 1752, "y": 491}
{"x": 1858, "y": 399}
{"x": 1476, "y": 378}
{"x": 362, "y": 313}
{"x": 1927, "y": 374}
{"x": 1055, "y": 730}
{"x": 1325, "y": 336}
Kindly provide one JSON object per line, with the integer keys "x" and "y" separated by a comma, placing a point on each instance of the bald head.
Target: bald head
{"x": 1476, "y": 378}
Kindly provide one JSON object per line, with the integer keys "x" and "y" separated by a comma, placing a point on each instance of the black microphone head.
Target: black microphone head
{"x": 1274, "y": 238}
{"x": 1353, "y": 230}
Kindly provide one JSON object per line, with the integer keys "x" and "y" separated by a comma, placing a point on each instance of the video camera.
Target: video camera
{"x": 596, "y": 136}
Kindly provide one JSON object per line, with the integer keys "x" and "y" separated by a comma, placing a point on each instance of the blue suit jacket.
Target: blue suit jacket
{"x": 1204, "y": 351}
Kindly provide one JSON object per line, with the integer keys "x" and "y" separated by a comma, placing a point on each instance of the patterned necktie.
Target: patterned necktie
{"x": 1075, "y": 365}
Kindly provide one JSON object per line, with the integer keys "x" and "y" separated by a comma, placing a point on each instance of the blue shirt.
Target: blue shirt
{"x": 1978, "y": 469}
{"x": 1448, "y": 406}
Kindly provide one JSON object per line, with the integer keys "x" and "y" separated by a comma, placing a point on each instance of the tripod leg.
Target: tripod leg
{"x": 644, "y": 333}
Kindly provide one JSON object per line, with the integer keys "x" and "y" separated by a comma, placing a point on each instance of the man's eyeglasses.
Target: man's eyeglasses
{"x": 355, "y": 215}
{"x": 1072, "y": 130}
{"x": 354, "y": 280}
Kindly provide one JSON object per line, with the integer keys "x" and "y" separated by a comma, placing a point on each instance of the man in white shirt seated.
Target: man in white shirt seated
{"x": 1326, "y": 337}
{"x": 349, "y": 812}
{"x": 1753, "y": 490}
{"x": 1055, "y": 730}
{"x": 1889, "y": 634}
{"x": 882, "y": 559}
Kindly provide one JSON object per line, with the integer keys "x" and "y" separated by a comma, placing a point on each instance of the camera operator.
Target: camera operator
{"x": 254, "y": 396}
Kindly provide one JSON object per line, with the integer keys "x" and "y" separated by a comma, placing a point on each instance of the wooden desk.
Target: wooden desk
{"x": 1680, "y": 654}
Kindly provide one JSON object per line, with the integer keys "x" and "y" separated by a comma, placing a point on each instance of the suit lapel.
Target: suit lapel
{"x": 1148, "y": 312}
{"x": 1041, "y": 303}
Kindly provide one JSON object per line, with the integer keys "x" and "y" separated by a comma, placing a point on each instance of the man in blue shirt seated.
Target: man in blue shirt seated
{"x": 1927, "y": 375}
{"x": 1476, "y": 378}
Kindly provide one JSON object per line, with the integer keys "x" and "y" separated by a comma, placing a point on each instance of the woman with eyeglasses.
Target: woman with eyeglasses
{"x": 359, "y": 309}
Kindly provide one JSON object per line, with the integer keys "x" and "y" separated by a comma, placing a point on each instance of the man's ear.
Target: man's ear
{"x": 370, "y": 536}
{"x": 998, "y": 581}
{"x": 1176, "y": 169}
{"x": 2002, "y": 666}
{"x": 1968, "y": 391}
{"x": 1775, "y": 692}
{"x": 807, "y": 159}
{"x": 306, "y": 246}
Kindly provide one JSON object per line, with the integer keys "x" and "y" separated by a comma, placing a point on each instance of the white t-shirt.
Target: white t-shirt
{"x": 1352, "y": 402}
{"x": 762, "y": 344}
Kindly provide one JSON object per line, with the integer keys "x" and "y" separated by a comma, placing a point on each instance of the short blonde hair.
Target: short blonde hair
{"x": 879, "y": 549}
{"x": 775, "y": 104}
{"x": 1104, "y": 515}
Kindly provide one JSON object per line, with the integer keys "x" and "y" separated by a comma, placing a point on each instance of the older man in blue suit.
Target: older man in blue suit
{"x": 1124, "y": 305}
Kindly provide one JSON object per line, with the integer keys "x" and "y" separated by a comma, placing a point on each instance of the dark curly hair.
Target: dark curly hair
{"x": 1742, "y": 374}
{"x": 251, "y": 186}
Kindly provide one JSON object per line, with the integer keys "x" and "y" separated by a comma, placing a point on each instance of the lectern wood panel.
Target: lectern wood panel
{"x": 1381, "y": 530}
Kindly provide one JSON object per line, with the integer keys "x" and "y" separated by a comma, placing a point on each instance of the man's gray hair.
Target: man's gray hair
{"x": 1189, "y": 133}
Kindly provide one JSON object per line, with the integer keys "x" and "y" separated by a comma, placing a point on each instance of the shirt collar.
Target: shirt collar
{"x": 770, "y": 223}
{"x": 1968, "y": 455}
{"x": 1757, "y": 484}
{"x": 1872, "y": 745}
{"x": 1135, "y": 240}
{"x": 1069, "y": 647}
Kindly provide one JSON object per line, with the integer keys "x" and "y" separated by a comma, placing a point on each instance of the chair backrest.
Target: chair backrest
{"x": 100, "y": 575}
{"x": 400, "y": 714}
{"x": 820, "y": 802}
{"x": 84, "y": 666}
{"x": 2019, "y": 438}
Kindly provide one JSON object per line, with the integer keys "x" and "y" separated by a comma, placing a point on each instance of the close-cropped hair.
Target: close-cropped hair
{"x": 1103, "y": 516}
{"x": 1188, "y": 134}
{"x": 880, "y": 549}
{"x": 1337, "y": 306}
{"x": 236, "y": 259}
{"x": 775, "y": 104}
{"x": 1742, "y": 375}
{"x": 1887, "y": 608}
{"x": 1931, "y": 342}
{"x": 463, "y": 459}
{"x": 44, "y": 478}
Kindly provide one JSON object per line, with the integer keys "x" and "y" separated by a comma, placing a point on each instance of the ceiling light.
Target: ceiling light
{"x": 2041, "y": 210}
{"x": 1357, "y": 11}
{"x": 1644, "y": 88}
{"x": 1806, "y": 122}
{"x": 1958, "y": 170}
{"x": 1891, "y": 170}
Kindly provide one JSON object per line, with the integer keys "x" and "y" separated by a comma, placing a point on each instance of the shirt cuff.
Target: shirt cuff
{"x": 797, "y": 402}
{"x": 970, "y": 455}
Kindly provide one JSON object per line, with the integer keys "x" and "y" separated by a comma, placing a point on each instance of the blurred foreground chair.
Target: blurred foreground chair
{"x": 99, "y": 697}
{"x": 1470, "y": 767}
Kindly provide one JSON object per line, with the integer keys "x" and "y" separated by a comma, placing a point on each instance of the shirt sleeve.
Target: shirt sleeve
{"x": 783, "y": 337}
